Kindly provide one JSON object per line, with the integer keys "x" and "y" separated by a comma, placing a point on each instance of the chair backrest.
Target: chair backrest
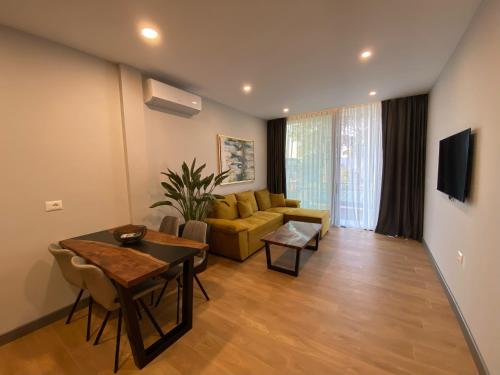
{"x": 170, "y": 225}
{"x": 197, "y": 231}
{"x": 98, "y": 284}
{"x": 63, "y": 259}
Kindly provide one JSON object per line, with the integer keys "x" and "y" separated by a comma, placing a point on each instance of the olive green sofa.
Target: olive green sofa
{"x": 239, "y": 221}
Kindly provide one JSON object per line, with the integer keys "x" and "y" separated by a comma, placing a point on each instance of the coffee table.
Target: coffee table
{"x": 294, "y": 235}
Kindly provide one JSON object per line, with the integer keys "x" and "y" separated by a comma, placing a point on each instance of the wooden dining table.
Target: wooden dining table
{"x": 131, "y": 264}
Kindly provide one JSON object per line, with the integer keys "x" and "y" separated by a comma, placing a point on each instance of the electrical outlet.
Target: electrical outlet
{"x": 460, "y": 258}
{"x": 53, "y": 206}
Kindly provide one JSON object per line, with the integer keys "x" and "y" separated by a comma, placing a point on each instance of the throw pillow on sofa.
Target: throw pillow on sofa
{"x": 278, "y": 200}
{"x": 245, "y": 209}
{"x": 248, "y": 197}
{"x": 227, "y": 211}
{"x": 263, "y": 199}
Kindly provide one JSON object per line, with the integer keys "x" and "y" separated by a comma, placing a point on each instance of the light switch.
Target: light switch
{"x": 53, "y": 206}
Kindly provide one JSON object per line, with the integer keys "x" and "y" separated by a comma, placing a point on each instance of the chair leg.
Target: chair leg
{"x": 73, "y": 308}
{"x": 161, "y": 294}
{"x": 138, "y": 311}
{"x": 201, "y": 287}
{"x": 152, "y": 298}
{"x": 89, "y": 318}
{"x": 118, "y": 335}
{"x": 151, "y": 317}
{"x": 101, "y": 330}
{"x": 178, "y": 299}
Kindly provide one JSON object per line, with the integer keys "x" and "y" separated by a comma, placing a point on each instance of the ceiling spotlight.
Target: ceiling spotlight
{"x": 286, "y": 110}
{"x": 194, "y": 102}
{"x": 365, "y": 54}
{"x": 372, "y": 93}
{"x": 247, "y": 88}
{"x": 149, "y": 33}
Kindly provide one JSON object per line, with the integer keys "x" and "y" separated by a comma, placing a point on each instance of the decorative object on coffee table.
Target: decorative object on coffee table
{"x": 294, "y": 235}
{"x": 129, "y": 233}
{"x": 236, "y": 155}
{"x": 191, "y": 192}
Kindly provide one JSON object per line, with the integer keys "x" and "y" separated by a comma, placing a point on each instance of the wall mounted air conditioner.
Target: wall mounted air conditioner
{"x": 163, "y": 97}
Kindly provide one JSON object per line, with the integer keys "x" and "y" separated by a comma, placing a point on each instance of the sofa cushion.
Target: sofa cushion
{"x": 259, "y": 219}
{"x": 227, "y": 211}
{"x": 311, "y": 216}
{"x": 248, "y": 196}
{"x": 277, "y": 200}
{"x": 263, "y": 199}
{"x": 245, "y": 209}
{"x": 279, "y": 210}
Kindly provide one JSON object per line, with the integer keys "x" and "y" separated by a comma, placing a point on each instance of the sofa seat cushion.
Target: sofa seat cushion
{"x": 259, "y": 219}
{"x": 260, "y": 224}
{"x": 279, "y": 210}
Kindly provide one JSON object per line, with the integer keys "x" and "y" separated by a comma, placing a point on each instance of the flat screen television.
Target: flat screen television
{"x": 455, "y": 154}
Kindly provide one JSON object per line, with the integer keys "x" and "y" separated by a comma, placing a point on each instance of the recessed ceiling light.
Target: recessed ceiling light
{"x": 247, "y": 88}
{"x": 366, "y": 54}
{"x": 286, "y": 110}
{"x": 372, "y": 93}
{"x": 194, "y": 102}
{"x": 149, "y": 33}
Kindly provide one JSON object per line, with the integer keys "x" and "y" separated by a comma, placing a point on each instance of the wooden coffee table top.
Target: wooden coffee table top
{"x": 294, "y": 234}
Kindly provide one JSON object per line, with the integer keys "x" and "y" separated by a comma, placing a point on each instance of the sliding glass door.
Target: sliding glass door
{"x": 334, "y": 162}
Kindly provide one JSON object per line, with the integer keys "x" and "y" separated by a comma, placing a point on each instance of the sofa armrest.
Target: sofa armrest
{"x": 224, "y": 225}
{"x": 292, "y": 203}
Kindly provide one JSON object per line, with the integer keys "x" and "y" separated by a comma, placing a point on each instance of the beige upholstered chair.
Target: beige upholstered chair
{"x": 104, "y": 293}
{"x": 170, "y": 225}
{"x": 197, "y": 231}
{"x": 71, "y": 275}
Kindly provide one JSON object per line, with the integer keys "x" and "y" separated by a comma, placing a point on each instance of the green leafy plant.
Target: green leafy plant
{"x": 190, "y": 193}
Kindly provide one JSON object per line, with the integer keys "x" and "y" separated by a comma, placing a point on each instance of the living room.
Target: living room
{"x": 335, "y": 240}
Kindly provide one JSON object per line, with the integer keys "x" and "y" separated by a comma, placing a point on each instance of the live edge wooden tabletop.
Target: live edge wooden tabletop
{"x": 124, "y": 264}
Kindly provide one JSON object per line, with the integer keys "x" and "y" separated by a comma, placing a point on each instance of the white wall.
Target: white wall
{"x": 164, "y": 140}
{"x": 467, "y": 94}
{"x": 60, "y": 138}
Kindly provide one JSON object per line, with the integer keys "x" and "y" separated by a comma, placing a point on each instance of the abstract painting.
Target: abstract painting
{"x": 237, "y": 155}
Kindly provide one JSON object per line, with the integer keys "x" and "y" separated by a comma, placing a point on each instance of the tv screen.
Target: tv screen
{"x": 454, "y": 165}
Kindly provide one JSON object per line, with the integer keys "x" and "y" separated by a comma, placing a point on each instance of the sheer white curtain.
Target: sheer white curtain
{"x": 357, "y": 165}
{"x": 309, "y": 160}
{"x": 334, "y": 161}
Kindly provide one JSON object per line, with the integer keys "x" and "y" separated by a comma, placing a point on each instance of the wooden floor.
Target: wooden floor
{"x": 363, "y": 304}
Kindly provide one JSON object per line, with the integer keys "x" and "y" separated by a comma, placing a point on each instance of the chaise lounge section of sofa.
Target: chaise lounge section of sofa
{"x": 240, "y": 220}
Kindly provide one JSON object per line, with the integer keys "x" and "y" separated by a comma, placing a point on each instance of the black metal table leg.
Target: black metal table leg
{"x": 293, "y": 272}
{"x": 142, "y": 356}
{"x": 315, "y": 247}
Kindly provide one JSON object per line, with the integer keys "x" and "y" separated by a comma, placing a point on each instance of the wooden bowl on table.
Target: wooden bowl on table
{"x": 130, "y": 233}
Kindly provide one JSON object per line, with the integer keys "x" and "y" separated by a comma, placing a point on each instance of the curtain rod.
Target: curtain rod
{"x": 325, "y": 112}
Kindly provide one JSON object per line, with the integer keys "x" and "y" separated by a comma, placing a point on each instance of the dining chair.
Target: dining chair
{"x": 73, "y": 277}
{"x": 105, "y": 294}
{"x": 170, "y": 225}
{"x": 197, "y": 231}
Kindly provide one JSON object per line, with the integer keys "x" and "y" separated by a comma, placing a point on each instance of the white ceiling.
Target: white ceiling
{"x": 301, "y": 54}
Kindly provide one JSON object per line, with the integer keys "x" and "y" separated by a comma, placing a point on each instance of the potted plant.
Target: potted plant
{"x": 190, "y": 193}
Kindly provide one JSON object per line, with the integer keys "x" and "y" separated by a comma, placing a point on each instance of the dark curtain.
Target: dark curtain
{"x": 404, "y": 130}
{"x": 276, "y": 139}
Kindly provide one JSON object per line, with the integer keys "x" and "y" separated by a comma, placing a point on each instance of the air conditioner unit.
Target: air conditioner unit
{"x": 160, "y": 96}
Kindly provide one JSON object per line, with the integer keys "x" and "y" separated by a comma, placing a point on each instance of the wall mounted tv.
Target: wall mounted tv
{"x": 454, "y": 170}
